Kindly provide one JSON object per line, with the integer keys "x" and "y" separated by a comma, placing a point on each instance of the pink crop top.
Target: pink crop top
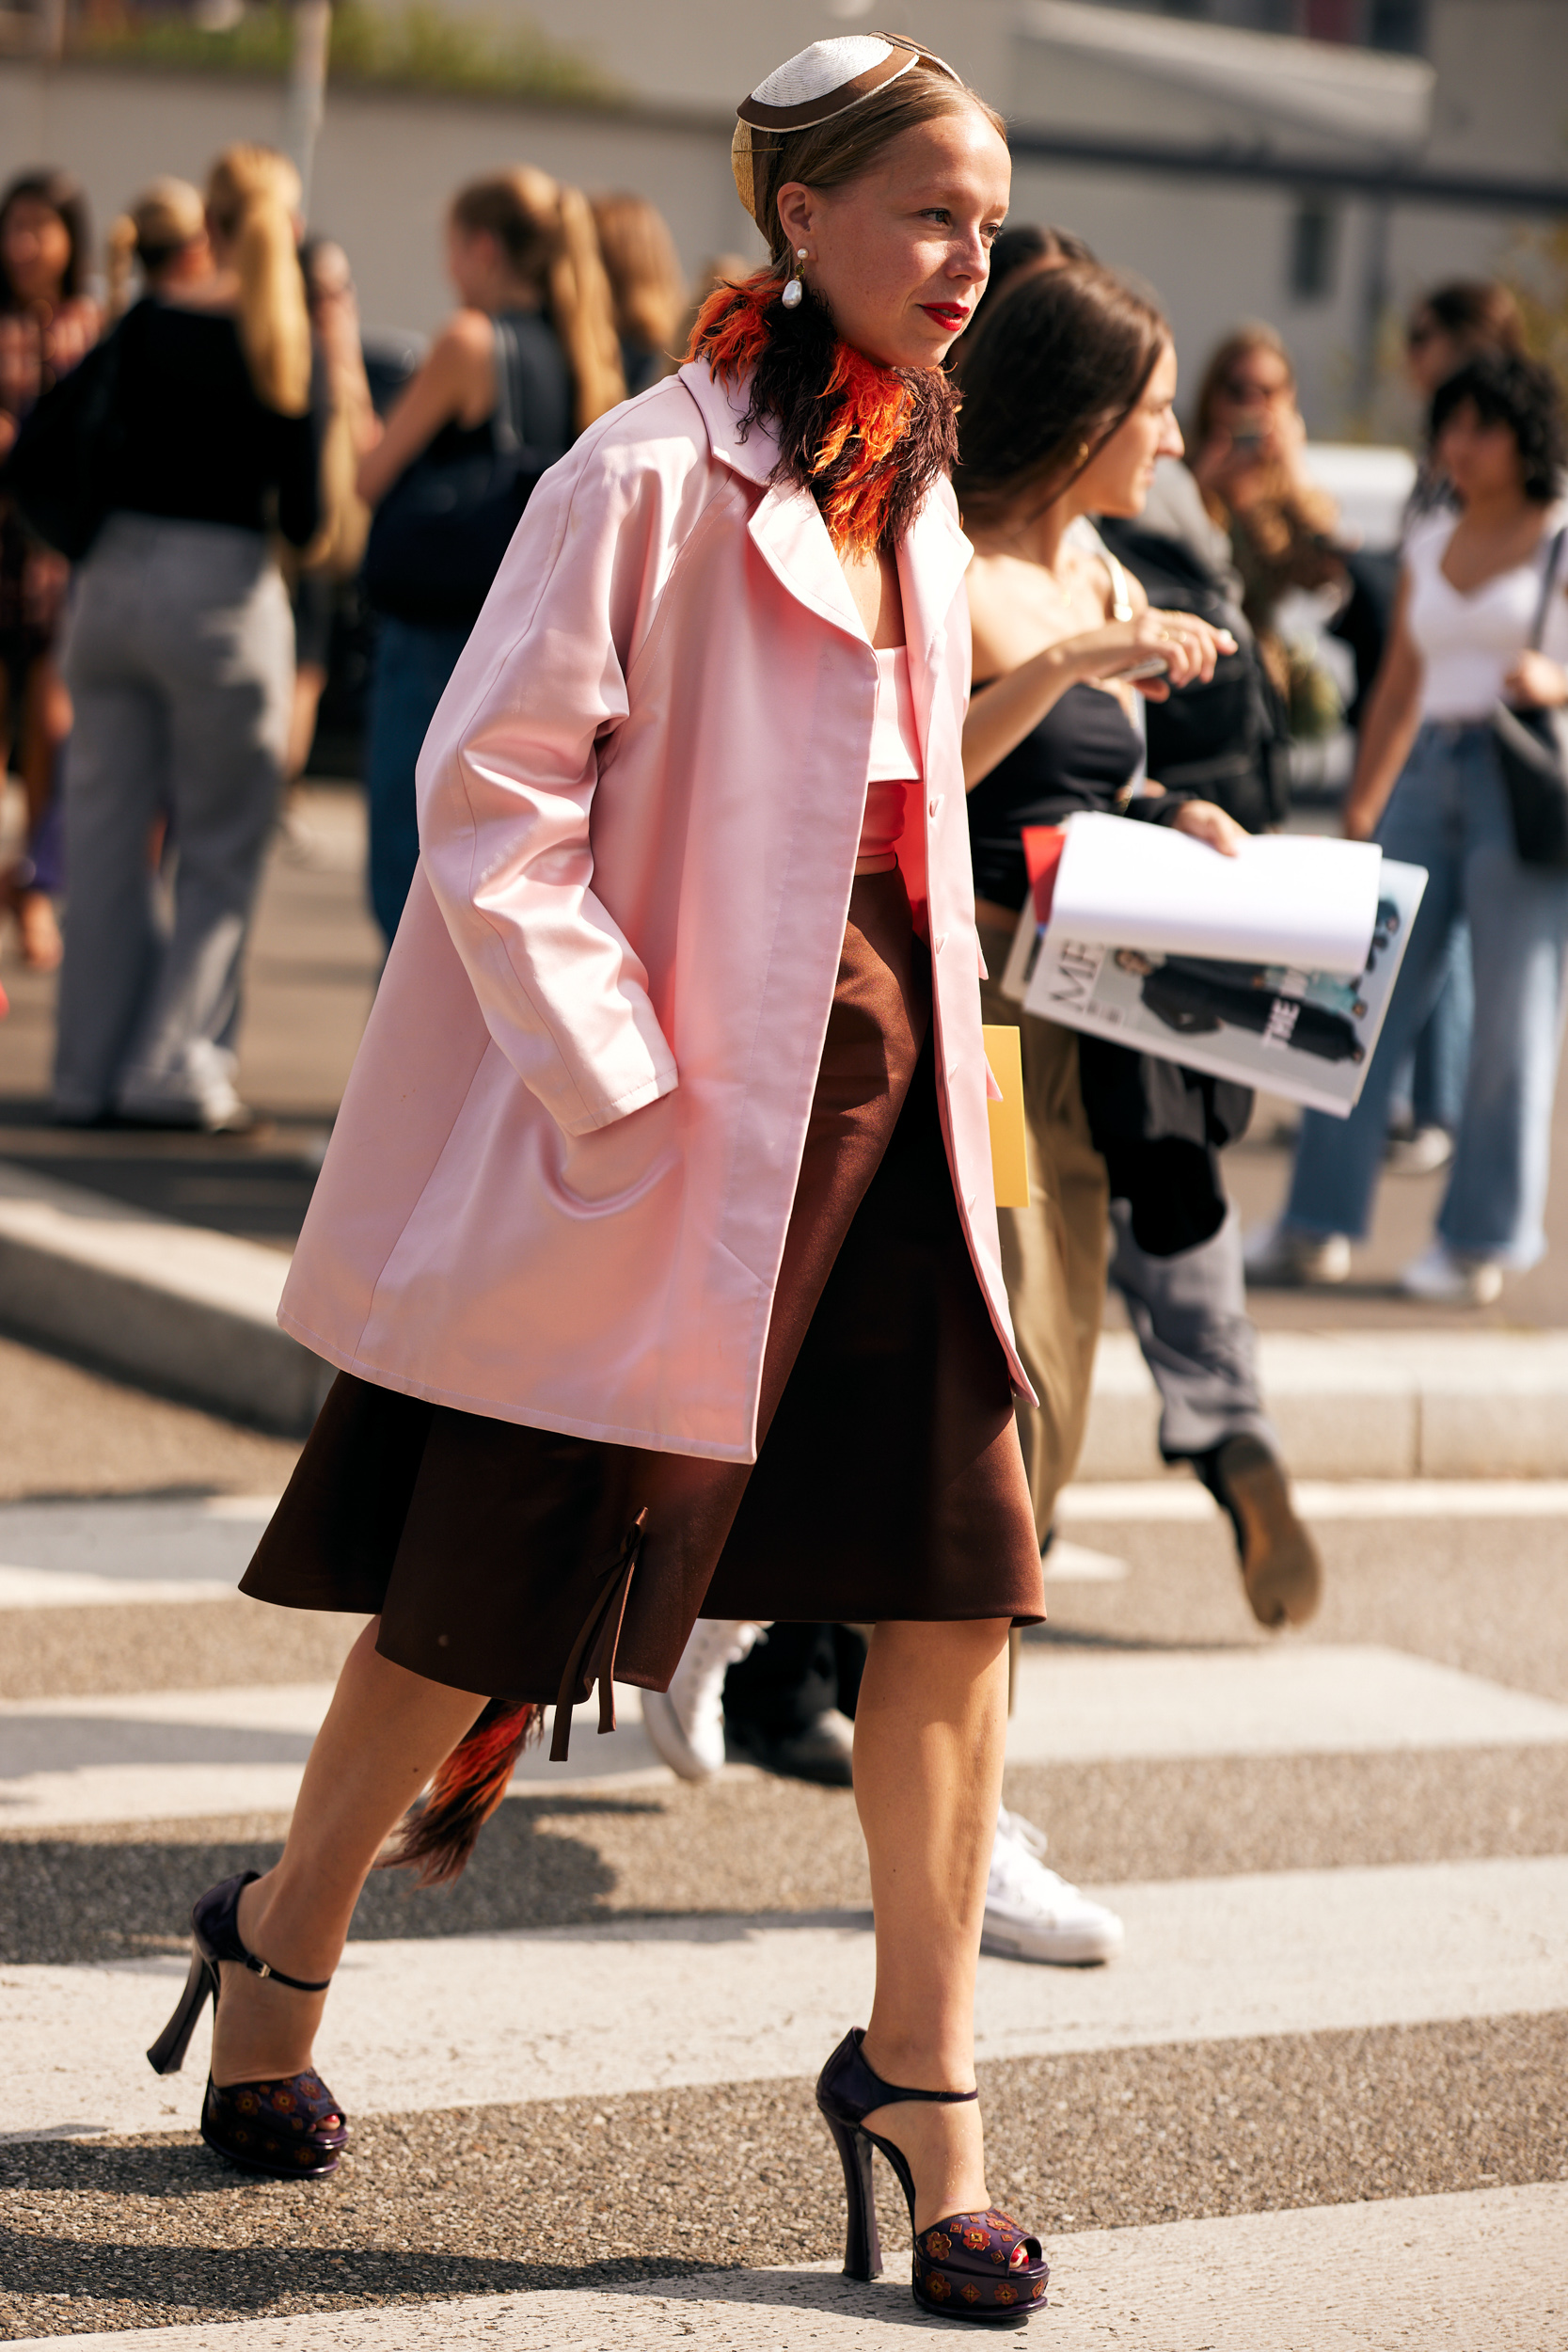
{"x": 894, "y": 763}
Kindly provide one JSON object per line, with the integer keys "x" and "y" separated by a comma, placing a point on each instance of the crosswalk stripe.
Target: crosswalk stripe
{"x": 648, "y": 2004}
{"x": 173, "y": 1755}
{"x": 1482, "y": 2268}
{"x": 1182, "y": 1498}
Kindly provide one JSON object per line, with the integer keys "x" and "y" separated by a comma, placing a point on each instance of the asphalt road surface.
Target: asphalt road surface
{"x": 1317, "y": 2102}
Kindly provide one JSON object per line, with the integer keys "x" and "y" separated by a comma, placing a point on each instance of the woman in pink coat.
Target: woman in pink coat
{"x": 656, "y": 1245}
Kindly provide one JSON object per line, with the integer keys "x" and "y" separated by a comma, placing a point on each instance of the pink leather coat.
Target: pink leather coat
{"x": 558, "y": 1185}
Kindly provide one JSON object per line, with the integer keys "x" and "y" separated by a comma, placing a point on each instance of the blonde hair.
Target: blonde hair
{"x": 546, "y": 230}
{"x": 252, "y": 196}
{"x": 643, "y": 268}
{"x": 167, "y": 216}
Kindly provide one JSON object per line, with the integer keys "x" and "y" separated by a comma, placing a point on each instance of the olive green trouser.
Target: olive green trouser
{"x": 1053, "y": 1252}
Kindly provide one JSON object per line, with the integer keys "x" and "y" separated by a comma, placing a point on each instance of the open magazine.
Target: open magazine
{"x": 1274, "y": 972}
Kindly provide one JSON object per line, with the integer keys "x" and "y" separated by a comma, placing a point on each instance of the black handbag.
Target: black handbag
{"x": 61, "y": 464}
{"x": 439, "y": 536}
{"x": 1533, "y": 754}
{"x": 1227, "y": 741}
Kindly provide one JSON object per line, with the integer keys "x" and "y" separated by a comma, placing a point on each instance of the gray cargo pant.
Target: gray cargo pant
{"x": 179, "y": 662}
{"x": 1189, "y": 1312}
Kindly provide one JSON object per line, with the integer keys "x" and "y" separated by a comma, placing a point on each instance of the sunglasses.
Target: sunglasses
{"x": 1253, "y": 393}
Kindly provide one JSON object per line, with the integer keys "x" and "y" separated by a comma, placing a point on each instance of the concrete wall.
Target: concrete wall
{"x": 385, "y": 165}
{"x": 1217, "y": 251}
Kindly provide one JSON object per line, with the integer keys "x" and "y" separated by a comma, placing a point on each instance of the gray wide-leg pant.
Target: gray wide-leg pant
{"x": 180, "y": 663}
{"x": 1189, "y": 1312}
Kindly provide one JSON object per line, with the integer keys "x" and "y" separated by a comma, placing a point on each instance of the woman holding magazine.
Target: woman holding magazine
{"x": 1068, "y": 390}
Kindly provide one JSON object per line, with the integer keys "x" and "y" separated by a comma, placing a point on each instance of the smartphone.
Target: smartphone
{"x": 1158, "y": 667}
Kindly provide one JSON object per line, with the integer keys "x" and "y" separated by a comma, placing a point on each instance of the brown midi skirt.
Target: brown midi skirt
{"x": 520, "y": 1564}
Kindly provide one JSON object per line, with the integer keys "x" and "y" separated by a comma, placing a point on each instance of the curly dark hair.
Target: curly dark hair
{"x": 1524, "y": 396}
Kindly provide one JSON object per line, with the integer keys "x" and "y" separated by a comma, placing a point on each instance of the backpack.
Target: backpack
{"x": 1227, "y": 741}
{"x": 439, "y": 536}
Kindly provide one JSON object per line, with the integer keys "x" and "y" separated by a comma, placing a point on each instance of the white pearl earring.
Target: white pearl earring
{"x": 794, "y": 293}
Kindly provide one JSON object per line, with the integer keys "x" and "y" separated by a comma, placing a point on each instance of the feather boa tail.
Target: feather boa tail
{"x": 437, "y": 1840}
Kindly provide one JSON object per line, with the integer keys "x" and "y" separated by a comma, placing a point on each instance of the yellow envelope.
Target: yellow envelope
{"x": 1010, "y": 1154}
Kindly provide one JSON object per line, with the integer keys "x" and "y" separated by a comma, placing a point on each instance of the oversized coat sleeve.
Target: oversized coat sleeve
{"x": 508, "y": 773}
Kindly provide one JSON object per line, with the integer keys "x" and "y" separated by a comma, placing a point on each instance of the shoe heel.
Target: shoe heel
{"x": 168, "y": 2054}
{"x": 862, "y": 2245}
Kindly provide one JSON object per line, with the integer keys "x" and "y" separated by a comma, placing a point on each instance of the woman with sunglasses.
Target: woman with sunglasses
{"x": 1248, "y": 463}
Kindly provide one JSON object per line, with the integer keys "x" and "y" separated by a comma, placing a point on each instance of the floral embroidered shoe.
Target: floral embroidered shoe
{"x": 291, "y": 2127}
{"x": 978, "y": 2265}
{"x": 971, "y": 2265}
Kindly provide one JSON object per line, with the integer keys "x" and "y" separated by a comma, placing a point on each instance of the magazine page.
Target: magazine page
{"x": 1300, "y": 899}
{"x": 1305, "y": 1034}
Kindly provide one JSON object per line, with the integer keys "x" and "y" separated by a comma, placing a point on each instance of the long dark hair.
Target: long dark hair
{"x": 1059, "y": 364}
{"x": 63, "y": 194}
{"x": 1476, "y": 313}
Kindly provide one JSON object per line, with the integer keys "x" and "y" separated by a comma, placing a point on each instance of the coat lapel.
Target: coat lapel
{"x": 932, "y": 561}
{"x": 792, "y": 538}
{"x": 786, "y": 529}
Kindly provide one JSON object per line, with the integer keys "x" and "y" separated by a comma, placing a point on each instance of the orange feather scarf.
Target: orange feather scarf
{"x": 866, "y": 441}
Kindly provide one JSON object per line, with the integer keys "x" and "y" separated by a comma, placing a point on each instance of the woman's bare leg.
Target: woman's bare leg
{"x": 385, "y": 1733}
{"x": 930, "y": 1727}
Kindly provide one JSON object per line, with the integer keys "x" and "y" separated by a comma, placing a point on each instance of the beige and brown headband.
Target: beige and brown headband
{"x": 823, "y": 81}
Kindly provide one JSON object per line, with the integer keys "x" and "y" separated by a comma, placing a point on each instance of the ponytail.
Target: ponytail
{"x": 252, "y": 195}
{"x": 583, "y": 311}
{"x": 122, "y": 254}
{"x": 548, "y": 235}
{"x": 167, "y": 216}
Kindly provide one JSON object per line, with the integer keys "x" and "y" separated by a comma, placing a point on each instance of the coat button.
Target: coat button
{"x": 940, "y": 942}
{"x": 934, "y": 805}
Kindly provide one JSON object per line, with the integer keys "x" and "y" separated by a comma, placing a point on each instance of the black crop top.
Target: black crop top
{"x": 194, "y": 443}
{"x": 1084, "y": 752}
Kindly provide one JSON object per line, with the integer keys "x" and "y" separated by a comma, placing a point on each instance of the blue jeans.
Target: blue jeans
{"x": 1449, "y": 813}
{"x": 1430, "y": 1091}
{"x": 413, "y": 663}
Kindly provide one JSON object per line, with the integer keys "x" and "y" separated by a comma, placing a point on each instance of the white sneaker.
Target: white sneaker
{"x": 686, "y": 1722}
{"x": 1282, "y": 1256}
{"x": 1421, "y": 1152}
{"x": 1445, "y": 1280}
{"x": 1031, "y": 1913}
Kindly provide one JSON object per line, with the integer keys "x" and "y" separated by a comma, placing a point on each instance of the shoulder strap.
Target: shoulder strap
{"x": 506, "y": 423}
{"x": 1121, "y": 603}
{"x": 1548, "y": 581}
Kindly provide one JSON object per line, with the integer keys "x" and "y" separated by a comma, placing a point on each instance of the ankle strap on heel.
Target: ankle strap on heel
{"x": 216, "y": 1924}
{"x": 295, "y": 1984}
{"x": 851, "y": 2082}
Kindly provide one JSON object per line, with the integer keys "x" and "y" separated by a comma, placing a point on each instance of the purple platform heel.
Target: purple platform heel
{"x": 970, "y": 2266}
{"x": 292, "y": 2128}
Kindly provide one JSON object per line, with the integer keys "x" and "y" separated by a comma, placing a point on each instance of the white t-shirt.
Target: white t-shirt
{"x": 1469, "y": 643}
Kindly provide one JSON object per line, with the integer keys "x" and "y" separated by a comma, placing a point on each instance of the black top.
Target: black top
{"x": 533, "y": 396}
{"x": 196, "y": 444}
{"x": 1084, "y": 752}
